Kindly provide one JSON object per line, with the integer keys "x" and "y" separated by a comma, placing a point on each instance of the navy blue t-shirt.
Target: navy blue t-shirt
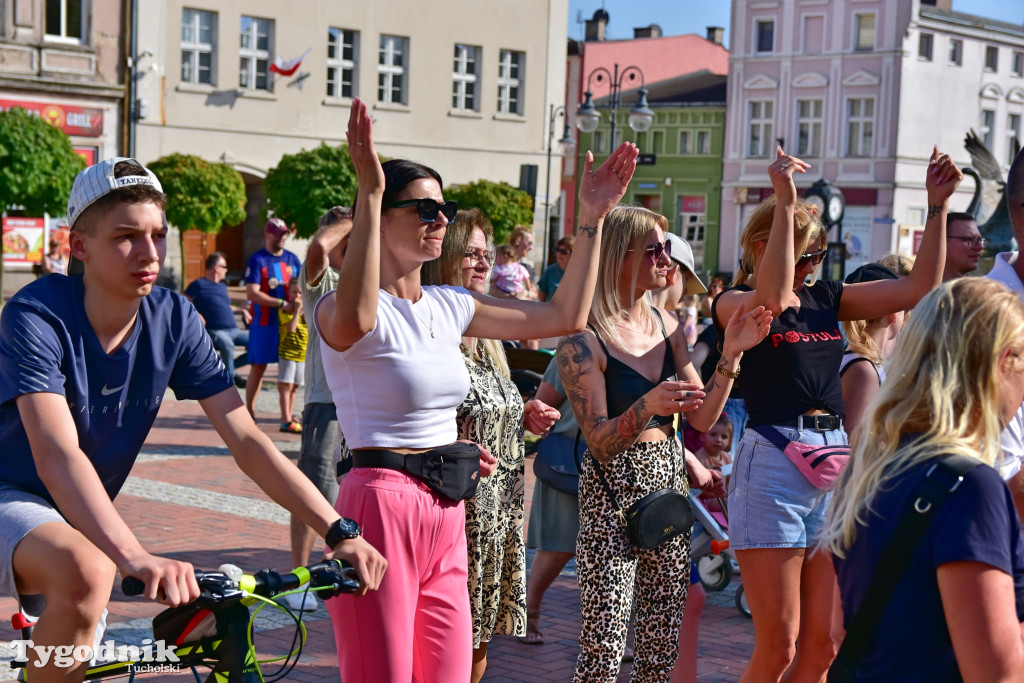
{"x": 213, "y": 303}
{"x": 47, "y": 345}
{"x": 977, "y": 523}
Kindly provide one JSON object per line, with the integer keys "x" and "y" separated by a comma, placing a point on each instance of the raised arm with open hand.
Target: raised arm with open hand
{"x": 352, "y": 312}
{"x": 566, "y": 312}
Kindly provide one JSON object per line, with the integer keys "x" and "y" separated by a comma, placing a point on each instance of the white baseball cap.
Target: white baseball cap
{"x": 98, "y": 180}
{"x": 683, "y": 255}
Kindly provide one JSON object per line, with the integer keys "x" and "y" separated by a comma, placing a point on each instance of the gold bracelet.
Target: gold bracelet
{"x": 721, "y": 369}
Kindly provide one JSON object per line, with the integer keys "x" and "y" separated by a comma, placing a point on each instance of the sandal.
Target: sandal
{"x": 292, "y": 427}
{"x": 533, "y": 635}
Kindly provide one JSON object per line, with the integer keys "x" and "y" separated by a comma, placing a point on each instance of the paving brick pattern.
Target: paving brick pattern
{"x": 226, "y": 518}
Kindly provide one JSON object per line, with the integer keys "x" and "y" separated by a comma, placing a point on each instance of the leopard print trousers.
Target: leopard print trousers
{"x": 615, "y": 576}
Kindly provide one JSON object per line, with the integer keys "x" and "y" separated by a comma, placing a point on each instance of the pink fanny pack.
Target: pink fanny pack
{"x": 820, "y": 464}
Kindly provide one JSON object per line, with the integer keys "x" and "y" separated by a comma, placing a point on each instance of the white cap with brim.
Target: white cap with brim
{"x": 98, "y": 181}
{"x": 683, "y": 255}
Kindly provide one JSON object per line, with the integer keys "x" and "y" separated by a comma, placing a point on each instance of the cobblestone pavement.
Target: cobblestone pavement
{"x": 187, "y": 499}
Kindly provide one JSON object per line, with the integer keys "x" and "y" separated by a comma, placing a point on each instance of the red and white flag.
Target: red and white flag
{"x": 287, "y": 68}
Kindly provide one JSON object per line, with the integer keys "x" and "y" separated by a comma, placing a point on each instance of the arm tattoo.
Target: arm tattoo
{"x": 712, "y": 384}
{"x": 589, "y": 231}
{"x": 934, "y": 210}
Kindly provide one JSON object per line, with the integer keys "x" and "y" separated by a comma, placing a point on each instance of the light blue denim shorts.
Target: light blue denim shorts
{"x": 772, "y": 505}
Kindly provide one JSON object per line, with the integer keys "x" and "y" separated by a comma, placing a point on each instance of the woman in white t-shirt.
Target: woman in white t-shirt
{"x": 392, "y": 358}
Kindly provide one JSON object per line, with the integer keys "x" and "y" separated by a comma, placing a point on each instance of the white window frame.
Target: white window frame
{"x": 599, "y": 142}
{"x": 392, "y": 68}
{"x": 249, "y": 74}
{"x": 858, "y": 29}
{"x": 763, "y": 124}
{"x": 465, "y": 67}
{"x": 922, "y": 39}
{"x": 1012, "y": 137}
{"x": 1017, "y": 63}
{"x": 991, "y": 50}
{"x": 510, "y": 82}
{"x": 62, "y": 35}
{"x": 955, "y": 54}
{"x": 192, "y": 50}
{"x": 686, "y": 141}
{"x": 860, "y": 127}
{"x": 987, "y": 127}
{"x": 702, "y": 143}
{"x": 809, "y": 126}
{"x": 757, "y": 36}
{"x": 341, "y": 71}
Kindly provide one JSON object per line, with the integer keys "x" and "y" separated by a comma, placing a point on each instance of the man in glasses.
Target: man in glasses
{"x": 964, "y": 245}
{"x": 209, "y": 295}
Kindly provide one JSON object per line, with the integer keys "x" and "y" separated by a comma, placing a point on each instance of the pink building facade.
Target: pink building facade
{"x": 846, "y": 86}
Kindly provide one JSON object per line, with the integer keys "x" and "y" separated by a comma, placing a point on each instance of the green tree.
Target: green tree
{"x": 303, "y": 186}
{"x": 38, "y": 164}
{"x": 200, "y": 194}
{"x": 505, "y": 206}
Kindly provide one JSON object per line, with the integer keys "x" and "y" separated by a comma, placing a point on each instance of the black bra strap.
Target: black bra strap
{"x": 599, "y": 340}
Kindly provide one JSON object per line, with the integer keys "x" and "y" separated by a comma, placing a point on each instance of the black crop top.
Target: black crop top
{"x": 624, "y": 385}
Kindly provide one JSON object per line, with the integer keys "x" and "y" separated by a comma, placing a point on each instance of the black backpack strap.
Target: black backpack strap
{"x": 942, "y": 479}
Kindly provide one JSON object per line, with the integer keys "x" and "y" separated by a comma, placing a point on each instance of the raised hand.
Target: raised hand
{"x": 367, "y": 166}
{"x": 746, "y": 330}
{"x": 602, "y": 189}
{"x": 943, "y": 176}
{"x": 781, "y": 173}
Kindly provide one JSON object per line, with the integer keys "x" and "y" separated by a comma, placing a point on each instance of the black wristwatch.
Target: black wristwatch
{"x": 342, "y": 530}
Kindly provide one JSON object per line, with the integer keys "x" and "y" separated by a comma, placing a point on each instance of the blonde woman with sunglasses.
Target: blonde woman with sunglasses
{"x": 627, "y": 377}
{"x": 791, "y": 383}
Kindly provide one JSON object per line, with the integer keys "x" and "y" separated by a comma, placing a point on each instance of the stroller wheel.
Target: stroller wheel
{"x": 741, "y": 602}
{"x": 715, "y": 571}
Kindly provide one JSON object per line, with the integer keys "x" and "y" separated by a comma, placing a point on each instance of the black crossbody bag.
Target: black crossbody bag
{"x": 654, "y": 519}
{"x": 942, "y": 479}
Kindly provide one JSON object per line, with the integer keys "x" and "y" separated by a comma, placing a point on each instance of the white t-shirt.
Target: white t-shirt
{"x": 1012, "y": 438}
{"x": 399, "y": 386}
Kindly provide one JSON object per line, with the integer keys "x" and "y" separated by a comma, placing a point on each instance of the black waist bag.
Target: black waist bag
{"x": 658, "y": 517}
{"x": 451, "y": 471}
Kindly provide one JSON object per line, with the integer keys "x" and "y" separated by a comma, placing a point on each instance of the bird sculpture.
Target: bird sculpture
{"x": 989, "y": 203}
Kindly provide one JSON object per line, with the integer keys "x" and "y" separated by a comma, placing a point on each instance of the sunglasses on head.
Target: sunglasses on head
{"x": 428, "y": 208}
{"x": 657, "y": 249}
{"x": 814, "y": 258}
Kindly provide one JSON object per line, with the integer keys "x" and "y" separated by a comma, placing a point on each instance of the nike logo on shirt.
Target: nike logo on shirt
{"x": 107, "y": 392}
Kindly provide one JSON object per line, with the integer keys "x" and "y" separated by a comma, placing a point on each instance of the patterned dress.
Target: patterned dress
{"x": 492, "y": 416}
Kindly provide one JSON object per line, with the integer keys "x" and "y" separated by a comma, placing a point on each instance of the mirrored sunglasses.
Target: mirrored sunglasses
{"x": 428, "y": 208}
{"x": 657, "y": 249}
{"x": 814, "y": 258}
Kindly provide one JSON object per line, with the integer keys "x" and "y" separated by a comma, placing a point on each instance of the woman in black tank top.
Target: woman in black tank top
{"x": 627, "y": 376}
{"x": 791, "y": 385}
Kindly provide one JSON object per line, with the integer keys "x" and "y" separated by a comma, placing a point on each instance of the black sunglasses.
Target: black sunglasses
{"x": 814, "y": 258}
{"x": 657, "y": 249}
{"x": 428, "y": 208}
{"x": 563, "y": 251}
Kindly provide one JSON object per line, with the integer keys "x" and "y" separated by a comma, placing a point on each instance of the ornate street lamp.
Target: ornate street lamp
{"x": 640, "y": 117}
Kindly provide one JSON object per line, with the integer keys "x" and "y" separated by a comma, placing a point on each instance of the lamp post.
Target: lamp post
{"x": 568, "y": 145}
{"x": 640, "y": 117}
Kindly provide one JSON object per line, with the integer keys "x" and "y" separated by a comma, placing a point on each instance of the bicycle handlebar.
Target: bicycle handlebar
{"x": 335, "y": 576}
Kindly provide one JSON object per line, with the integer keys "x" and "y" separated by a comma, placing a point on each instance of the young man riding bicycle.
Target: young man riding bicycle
{"x": 84, "y": 364}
